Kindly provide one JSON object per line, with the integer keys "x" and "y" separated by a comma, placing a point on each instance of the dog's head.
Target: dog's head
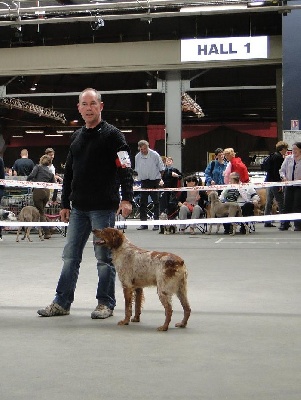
{"x": 212, "y": 196}
{"x": 7, "y": 215}
{"x": 109, "y": 237}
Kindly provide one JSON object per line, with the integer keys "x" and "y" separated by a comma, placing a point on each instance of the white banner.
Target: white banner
{"x": 227, "y": 48}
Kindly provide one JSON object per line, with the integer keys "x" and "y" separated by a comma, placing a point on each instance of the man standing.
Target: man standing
{"x": 275, "y": 192}
{"x": 24, "y": 165}
{"x": 149, "y": 166}
{"x": 93, "y": 174}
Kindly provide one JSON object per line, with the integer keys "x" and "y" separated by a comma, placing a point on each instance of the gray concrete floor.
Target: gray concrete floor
{"x": 242, "y": 340}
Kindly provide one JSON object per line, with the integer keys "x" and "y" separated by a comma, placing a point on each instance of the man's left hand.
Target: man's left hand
{"x": 125, "y": 208}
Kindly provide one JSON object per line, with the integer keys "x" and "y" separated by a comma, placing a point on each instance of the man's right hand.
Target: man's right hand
{"x": 65, "y": 215}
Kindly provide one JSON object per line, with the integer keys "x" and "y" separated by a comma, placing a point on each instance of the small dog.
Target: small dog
{"x": 29, "y": 214}
{"x": 166, "y": 229}
{"x": 6, "y": 216}
{"x": 138, "y": 268}
{"x": 220, "y": 210}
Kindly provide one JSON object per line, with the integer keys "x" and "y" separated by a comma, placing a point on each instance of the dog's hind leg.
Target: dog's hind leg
{"x": 41, "y": 234}
{"x": 165, "y": 299}
{"x": 138, "y": 304}
{"x": 128, "y": 298}
{"x": 27, "y": 233}
{"x": 182, "y": 296}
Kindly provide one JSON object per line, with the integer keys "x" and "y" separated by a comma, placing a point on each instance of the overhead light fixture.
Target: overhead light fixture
{"x": 65, "y": 131}
{"x": 213, "y": 8}
{"x": 149, "y": 94}
{"x": 32, "y": 108}
{"x": 126, "y": 130}
{"x": 34, "y": 131}
{"x": 263, "y": 3}
{"x": 188, "y": 104}
{"x": 53, "y": 134}
{"x": 17, "y": 136}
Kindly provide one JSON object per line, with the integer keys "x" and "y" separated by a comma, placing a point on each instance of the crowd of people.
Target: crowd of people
{"x": 227, "y": 168}
{"x": 155, "y": 172}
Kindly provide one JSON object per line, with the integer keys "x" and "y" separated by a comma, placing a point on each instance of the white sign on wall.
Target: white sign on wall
{"x": 291, "y": 137}
{"x": 228, "y": 48}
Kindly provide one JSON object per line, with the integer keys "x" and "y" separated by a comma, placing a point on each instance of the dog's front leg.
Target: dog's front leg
{"x": 138, "y": 304}
{"x": 128, "y": 298}
{"x": 27, "y": 234}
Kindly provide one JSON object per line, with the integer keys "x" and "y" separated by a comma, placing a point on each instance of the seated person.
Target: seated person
{"x": 191, "y": 202}
{"x": 245, "y": 196}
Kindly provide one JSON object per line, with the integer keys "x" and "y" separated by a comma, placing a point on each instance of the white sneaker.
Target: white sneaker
{"x": 101, "y": 312}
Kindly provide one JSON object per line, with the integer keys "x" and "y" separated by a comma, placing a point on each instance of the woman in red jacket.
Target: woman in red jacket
{"x": 235, "y": 165}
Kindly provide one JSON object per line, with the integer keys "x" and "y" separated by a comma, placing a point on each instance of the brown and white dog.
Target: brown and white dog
{"x": 220, "y": 210}
{"x": 138, "y": 268}
{"x": 29, "y": 214}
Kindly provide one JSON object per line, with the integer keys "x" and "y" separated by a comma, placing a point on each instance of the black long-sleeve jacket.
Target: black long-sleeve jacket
{"x": 92, "y": 176}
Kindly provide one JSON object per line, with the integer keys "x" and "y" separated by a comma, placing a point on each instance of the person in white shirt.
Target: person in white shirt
{"x": 150, "y": 167}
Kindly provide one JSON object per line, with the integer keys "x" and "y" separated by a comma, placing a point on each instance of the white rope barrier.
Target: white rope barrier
{"x": 29, "y": 184}
{"x": 257, "y": 218}
{"x": 47, "y": 185}
{"x": 261, "y": 218}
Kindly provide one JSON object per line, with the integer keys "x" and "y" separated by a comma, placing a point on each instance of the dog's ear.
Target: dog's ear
{"x": 117, "y": 239}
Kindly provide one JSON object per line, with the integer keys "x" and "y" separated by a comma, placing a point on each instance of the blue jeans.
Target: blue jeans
{"x": 80, "y": 225}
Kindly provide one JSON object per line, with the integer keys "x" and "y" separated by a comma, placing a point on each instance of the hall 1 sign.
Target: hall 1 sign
{"x": 220, "y": 49}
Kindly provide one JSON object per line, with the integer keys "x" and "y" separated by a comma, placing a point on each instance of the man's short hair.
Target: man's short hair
{"x": 142, "y": 143}
{"x": 98, "y": 94}
{"x": 49, "y": 150}
{"x": 24, "y": 152}
{"x": 218, "y": 151}
{"x": 281, "y": 145}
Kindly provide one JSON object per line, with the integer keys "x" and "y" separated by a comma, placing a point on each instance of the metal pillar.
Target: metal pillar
{"x": 173, "y": 117}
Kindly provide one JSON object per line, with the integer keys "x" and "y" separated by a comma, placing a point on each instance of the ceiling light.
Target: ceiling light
{"x": 17, "y": 135}
{"x": 213, "y": 8}
{"x": 264, "y": 3}
{"x": 126, "y": 130}
{"x": 53, "y": 134}
{"x": 34, "y": 131}
{"x": 65, "y": 131}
